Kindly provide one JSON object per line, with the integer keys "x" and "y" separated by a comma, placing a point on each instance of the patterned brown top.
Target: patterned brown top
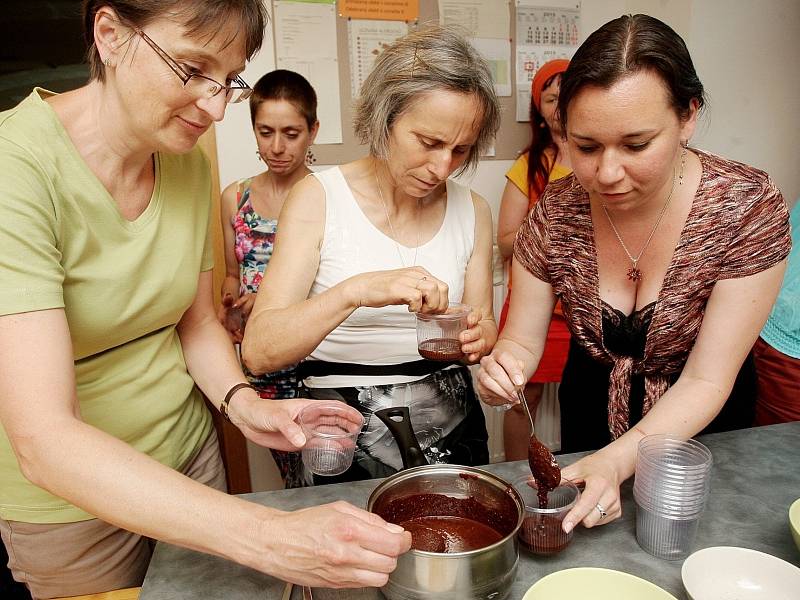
{"x": 738, "y": 225}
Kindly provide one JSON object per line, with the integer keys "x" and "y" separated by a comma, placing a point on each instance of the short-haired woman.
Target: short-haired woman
{"x": 283, "y": 113}
{"x": 365, "y": 245}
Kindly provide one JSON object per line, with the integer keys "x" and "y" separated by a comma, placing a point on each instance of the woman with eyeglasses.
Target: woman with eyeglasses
{"x": 108, "y": 335}
{"x": 283, "y": 112}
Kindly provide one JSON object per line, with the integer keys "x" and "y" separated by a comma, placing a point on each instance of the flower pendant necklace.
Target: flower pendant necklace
{"x": 391, "y": 227}
{"x": 634, "y": 272}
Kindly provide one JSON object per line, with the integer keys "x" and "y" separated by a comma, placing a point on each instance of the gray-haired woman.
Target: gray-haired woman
{"x": 365, "y": 245}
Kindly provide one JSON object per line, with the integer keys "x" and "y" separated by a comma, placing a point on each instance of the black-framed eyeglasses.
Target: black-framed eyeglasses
{"x": 196, "y": 84}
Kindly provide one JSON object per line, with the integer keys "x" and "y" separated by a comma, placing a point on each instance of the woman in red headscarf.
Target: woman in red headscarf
{"x": 545, "y": 160}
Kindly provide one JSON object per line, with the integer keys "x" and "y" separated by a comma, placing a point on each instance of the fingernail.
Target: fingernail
{"x": 298, "y": 440}
{"x": 518, "y": 380}
{"x": 394, "y": 528}
{"x": 568, "y": 526}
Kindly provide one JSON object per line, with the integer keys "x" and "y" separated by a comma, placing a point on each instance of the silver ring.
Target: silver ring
{"x": 601, "y": 510}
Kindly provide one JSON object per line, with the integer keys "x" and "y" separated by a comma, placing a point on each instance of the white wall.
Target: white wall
{"x": 746, "y": 53}
{"x": 236, "y": 144}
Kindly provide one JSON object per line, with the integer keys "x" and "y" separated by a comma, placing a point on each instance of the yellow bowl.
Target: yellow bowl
{"x": 595, "y": 583}
{"x": 794, "y": 521}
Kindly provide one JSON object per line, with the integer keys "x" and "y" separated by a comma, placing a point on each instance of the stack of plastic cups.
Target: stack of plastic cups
{"x": 671, "y": 487}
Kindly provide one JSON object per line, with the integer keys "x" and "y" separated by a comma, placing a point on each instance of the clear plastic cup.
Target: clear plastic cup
{"x": 331, "y": 430}
{"x": 541, "y": 530}
{"x": 437, "y": 335}
{"x": 686, "y": 456}
{"x": 651, "y": 486}
{"x": 673, "y": 478}
{"x": 671, "y": 508}
{"x": 667, "y": 537}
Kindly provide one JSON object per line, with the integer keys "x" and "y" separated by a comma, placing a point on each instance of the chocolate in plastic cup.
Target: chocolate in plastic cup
{"x": 437, "y": 334}
{"x": 331, "y": 429}
{"x": 542, "y": 531}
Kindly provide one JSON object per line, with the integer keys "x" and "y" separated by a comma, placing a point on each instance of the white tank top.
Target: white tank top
{"x": 352, "y": 245}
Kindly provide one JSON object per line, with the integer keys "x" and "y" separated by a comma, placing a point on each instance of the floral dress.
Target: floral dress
{"x": 254, "y": 238}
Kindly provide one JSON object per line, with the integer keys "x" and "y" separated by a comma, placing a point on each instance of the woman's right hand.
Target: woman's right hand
{"x": 412, "y": 286}
{"x": 335, "y": 546}
{"x": 499, "y": 375}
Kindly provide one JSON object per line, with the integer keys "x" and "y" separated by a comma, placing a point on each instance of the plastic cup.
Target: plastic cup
{"x": 670, "y": 508}
{"x": 541, "y": 531}
{"x": 437, "y": 335}
{"x": 331, "y": 430}
{"x": 673, "y": 478}
{"x": 667, "y": 537}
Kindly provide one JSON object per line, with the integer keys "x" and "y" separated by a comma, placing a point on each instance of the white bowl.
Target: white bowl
{"x": 728, "y": 572}
{"x": 592, "y": 583}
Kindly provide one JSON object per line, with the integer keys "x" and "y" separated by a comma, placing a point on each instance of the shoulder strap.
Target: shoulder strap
{"x": 242, "y": 192}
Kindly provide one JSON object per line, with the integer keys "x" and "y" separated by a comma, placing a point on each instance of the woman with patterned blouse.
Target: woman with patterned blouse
{"x": 283, "y": 111}
{"x": 666, "y": 261}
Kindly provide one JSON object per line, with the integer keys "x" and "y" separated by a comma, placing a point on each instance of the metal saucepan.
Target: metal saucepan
{"x": 485, "y": 573}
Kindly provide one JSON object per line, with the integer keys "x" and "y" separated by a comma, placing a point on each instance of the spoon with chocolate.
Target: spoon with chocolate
{"x": 543, "y": 464}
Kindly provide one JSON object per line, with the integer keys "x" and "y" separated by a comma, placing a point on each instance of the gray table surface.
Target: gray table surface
{"x": 755, "y": 478}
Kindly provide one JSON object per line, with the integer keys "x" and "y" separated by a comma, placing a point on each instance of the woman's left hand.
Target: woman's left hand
{"x": 600, "y": 495}
{"x": 272, "y": 423}
{"x": 475, "y": 341}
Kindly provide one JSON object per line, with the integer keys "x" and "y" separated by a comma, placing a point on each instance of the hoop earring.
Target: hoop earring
{"x": 310, "y": 158}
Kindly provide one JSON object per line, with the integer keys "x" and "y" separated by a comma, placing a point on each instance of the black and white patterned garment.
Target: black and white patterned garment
{"x": 445, "y": 416}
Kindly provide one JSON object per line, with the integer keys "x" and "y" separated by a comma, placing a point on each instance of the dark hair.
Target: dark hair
{"x": 281, "y": 84}
{"x": 628, "y": 45}
{"x": 539, "y": 164}
{"x": 432, "y": 58}
{"x": 200, "y": 17}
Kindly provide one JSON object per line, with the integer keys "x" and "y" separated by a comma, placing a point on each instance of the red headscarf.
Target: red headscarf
{"x": 545, "y": 72}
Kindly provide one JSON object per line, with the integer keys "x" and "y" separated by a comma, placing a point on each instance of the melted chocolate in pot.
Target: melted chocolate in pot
{"x": 440, "y": 523}
{"x": 449, "y": 534}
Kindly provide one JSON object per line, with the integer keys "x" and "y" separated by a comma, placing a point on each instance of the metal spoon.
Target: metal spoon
{"x": 521, "y": 397}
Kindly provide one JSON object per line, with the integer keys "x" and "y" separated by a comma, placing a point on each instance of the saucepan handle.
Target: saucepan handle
{"x": 398, "y": 420}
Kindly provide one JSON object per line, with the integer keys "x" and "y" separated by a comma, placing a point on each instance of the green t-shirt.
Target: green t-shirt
{"x": 123, "y": 285}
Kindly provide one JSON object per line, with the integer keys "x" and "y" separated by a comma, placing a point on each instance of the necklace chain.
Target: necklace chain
{"x": 391, "y": 227}
{"x": 635, "y": 273}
